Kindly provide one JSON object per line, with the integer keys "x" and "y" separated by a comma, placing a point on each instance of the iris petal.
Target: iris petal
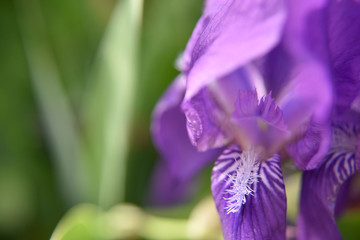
{"x": 229, "y": 35}
{"x": 170, "y": 137}
{"x": 315, "y": 139}
{"x": 263, "y": 213}
{"x": 321, "y": 187}
{"x": 208, "y": 112}
{"x": 306, "y": 99}
{"x": 344, "y": 45}
{"x": 261, "y": 122}
{"x": 319, "y": 193}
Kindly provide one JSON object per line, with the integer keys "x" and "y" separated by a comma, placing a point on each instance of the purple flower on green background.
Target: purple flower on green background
{"x": 257, "y": 78}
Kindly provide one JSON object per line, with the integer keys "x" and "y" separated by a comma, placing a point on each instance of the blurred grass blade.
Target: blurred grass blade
{"x": 110, "y": 100}
{"x": 55, "y": 108}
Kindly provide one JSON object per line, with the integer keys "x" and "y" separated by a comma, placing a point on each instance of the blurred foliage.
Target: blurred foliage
{"x": 349, "y": 225}
{"x": 32, "y": 198}
{"x": 167, "y": 25}
{"x": 126, "y": 221}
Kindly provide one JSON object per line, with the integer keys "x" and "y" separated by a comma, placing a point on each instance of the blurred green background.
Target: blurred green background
{"x": 76, "y": 75}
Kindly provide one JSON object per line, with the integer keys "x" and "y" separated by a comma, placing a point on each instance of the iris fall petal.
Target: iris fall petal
{"x": 249, "y": 196}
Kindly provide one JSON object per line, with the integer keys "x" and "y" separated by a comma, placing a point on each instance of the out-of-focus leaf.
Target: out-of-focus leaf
{"x": 109, "y": 102}
{"x": 204, "y": 222}
{"x": 123, "y": 221}
{"x": 75, "y": 29}
{"x": 57, "y": 114}
{"x": 81, "y": 222}
{"x": 167, "y": 28}
{"x": 292, "y": 187}
{"x": 165, "y": 228}
{"x": 167, "y": 25}
{"x": 16, "y": 199}
{"x": 349, "y": 225}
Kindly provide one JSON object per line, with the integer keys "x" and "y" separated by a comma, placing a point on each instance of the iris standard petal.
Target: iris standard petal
{"x": 319, "y": 193}
{"x": 233, "y": 34}
{"x": 344, "y": 45}
{"x": 275, "y": 67}
{"x": 306, "y": 99}
{"x": 308, "y": 91}
{"x": 249, "y": 195}
{"x": 303, "y": 92}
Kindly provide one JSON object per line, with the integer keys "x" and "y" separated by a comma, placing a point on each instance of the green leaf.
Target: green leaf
{"x": 349, "y": 225}
{"x": 81, "y": 222}
{"x": 108, "y": 106}
{"x": 58, "y": 117}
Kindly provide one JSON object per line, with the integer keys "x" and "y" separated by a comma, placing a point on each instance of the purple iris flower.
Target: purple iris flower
{"x": 256, "y": 79}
